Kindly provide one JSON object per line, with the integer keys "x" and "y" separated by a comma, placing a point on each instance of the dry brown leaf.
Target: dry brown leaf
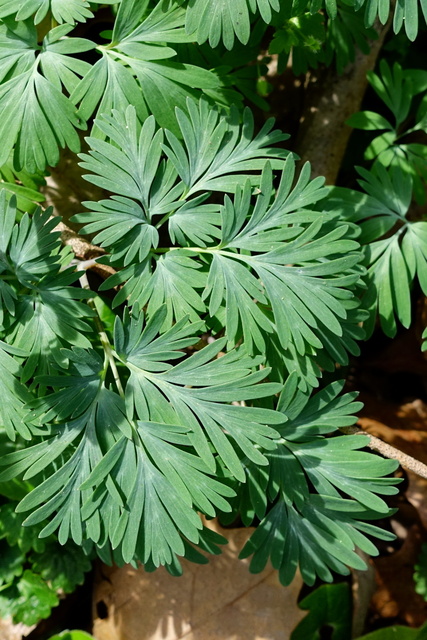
{"x": 218, "y": 601}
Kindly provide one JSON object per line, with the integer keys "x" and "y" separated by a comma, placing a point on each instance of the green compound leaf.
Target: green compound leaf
{"x": 174, "y": 282}
{"x": 172, "y": 413}
{"x": 196, "y": 389}
{"x": 328, "y": 605}
{"x": 406, "y": 13}
{"x": 14, "y": 395}
{"x": 26, "y": 248}
{"x": 397, "y": 631}
{"x": 12, "y": 562}
{"x": 39, "y": 119}
{"x": 318, "y": 32}
{"x": 69, "y": 11}
{"x": 224, "y": 20}
{"x": 23, "y": 185}
{"x": 295, "y": 282}
{"x": 136, "y": 68}
{"x": 39, "y": 322}
{"x": 332, "y": 465}
{"x": 395, "y": 248}
{"x": 317, "y": 532}
{"x": 166, "y": 500}
{"x": 395, "y": 261}
{"x": 336, "y": 466}
{"x": 12, "y": 531}
{"x": 49, "y": 319}
{"x": 247, "y": 250}
{"x": 63, "y": 568}
{"x": 346, "y": 34}
{"x": 393, "y": 87}
{"x": 138, "y": 172}
{"x": 318, "y": 538}
{"x": 29, "y": 600}
{"x": 217, "y": 152}
{"x": 397, "y": 88}
{"x": 94, "y": 404}
{"x": 368, "y": 120}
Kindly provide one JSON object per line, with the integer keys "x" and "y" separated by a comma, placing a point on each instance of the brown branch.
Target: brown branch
{"x": 65, "y": 190}
{"x": 363, "y": 588}
{"x": 322, "y": 140}
{"x": 407, "y": 462}
{"x": 330, "y": 100}
{"x": 84, "y": 250}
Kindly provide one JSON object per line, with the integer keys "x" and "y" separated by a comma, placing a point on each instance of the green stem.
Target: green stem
{"x": 106, "y": 345}
{"x": 168, "y": 215}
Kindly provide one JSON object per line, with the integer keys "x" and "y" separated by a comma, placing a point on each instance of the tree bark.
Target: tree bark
{"x": 330, "y": 100}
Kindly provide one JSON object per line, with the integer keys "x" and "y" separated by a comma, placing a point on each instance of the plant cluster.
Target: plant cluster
{"x": 398, "y": 89}
{"x": 329, "y": 606}
{"x": 34, "y": 572}
{"x": 188, "y": 383}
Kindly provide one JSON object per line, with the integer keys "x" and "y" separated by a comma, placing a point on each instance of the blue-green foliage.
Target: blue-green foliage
{"x": 152, "y": 425}
{"x": 33, "y": 572}
{"x": 237, "y": 281}
{"x": 398, "y": 88}
{"x": 394, "y": 246}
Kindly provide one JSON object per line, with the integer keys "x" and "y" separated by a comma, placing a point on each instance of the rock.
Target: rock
{"x": 10, "y": 631}
{"x": 218, "y": 601}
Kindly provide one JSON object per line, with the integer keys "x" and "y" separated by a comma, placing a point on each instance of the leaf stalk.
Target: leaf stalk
{"x": 106, "y": 345}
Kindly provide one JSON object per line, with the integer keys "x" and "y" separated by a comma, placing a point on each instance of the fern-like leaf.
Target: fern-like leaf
{"x": 224, "y": 20}
{"x": 195, "y": 388}
{"x": 136, "y": 68}
{"x": 333, "y": 525}
{"x": 39, "y": 118}
{"x": 395, "y": 248}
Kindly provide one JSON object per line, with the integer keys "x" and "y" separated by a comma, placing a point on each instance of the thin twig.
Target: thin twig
{"x": 407, "y": 462}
